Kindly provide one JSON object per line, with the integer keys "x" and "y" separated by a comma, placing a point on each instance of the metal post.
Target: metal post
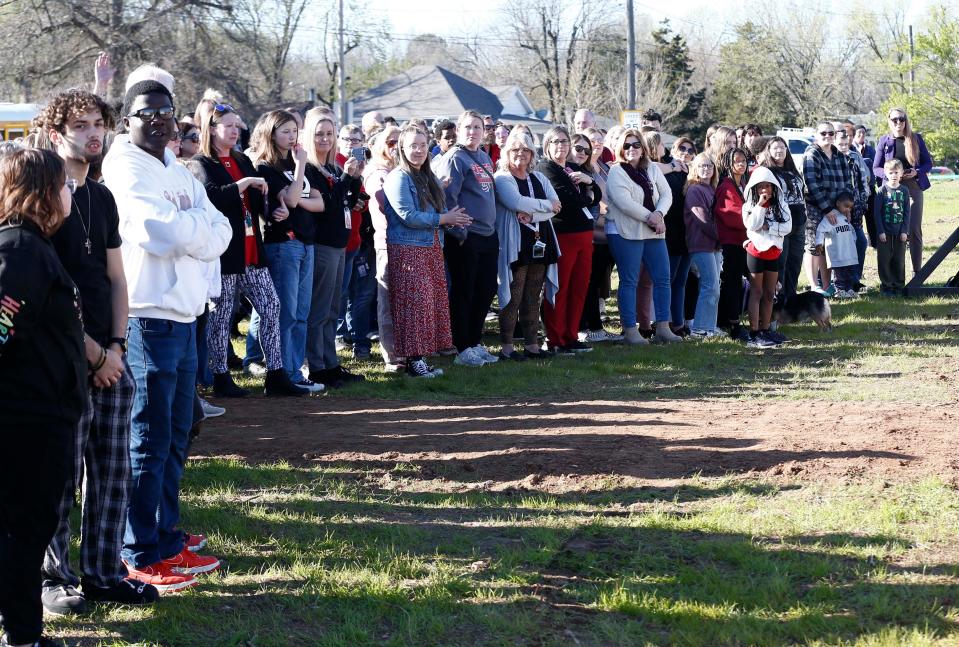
{"x": 912, "y": 68}
{"x": 630, "y": 58}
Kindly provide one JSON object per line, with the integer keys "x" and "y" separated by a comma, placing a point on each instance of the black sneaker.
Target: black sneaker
{"x": 516, "y": 356}
{"x": 225, "y": 387}
{"x": 126, "y": 591}
{"x": 563, "y": 351}
{"x": 579, "y": 347}
{"x": 759, "y": 340}
{"x": 542, "y": 354}
{"x": 329, "y": 377}
{"x": 346, "y": 376}
{"x": 775, "y": 336}
{"x": 63, "y": 599}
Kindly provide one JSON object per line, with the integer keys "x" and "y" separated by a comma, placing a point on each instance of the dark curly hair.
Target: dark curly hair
{"x": 70, "y": 105}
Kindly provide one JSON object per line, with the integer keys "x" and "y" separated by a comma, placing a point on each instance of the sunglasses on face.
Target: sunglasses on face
{"x": 634, "y": 145}
{"x": 391, "y": 142}
{"x": 581, "y": 149}
{"x": 687, "y": 149}
{"x": 897, "y": 120}
{"x": 827, "y": 133}
{"x": 149, "y": 114}
{"x": 192, "y": 137}
{"x": 489, "y": 127}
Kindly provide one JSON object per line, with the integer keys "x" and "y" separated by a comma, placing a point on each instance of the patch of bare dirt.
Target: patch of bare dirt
{"x": 583, "y": 445}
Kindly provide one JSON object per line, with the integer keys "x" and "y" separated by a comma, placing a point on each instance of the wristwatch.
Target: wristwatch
{"x": 120, "y": 341}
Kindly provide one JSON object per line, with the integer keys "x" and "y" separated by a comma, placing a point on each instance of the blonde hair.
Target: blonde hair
{"x": 892, "y": 165}
{"x": 379, "y": 151}
{"x": 619, "y": 149}
{"x": 314, "y": 117}
{"x": 524, "y": 141}
{"x": 693, "y": 176}
{"x": 721, "y": 134}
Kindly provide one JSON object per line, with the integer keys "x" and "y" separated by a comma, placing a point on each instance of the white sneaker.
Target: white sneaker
{"x": 393, "y": 368}
{"x": 438, "y": 372}
{"x": 211, "y": 410}
{"x": 469, "y": 357}
{"x": 484, "y": 353}
{"x": 700, "y": 332}
{"x": 255, "y": 369}
{"x": 309, "y": 385}
{"x": 595, "y": 336}
{"x": 419, "y": 368}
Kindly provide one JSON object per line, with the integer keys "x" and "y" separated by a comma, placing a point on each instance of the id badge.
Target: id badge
{"x": 588, "y": 213}
{"x": 347, "y": 218}
{"x": 539, "y": 249}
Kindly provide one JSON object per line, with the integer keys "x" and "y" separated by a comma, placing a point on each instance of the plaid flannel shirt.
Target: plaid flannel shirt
{"x": 825, "y": 178}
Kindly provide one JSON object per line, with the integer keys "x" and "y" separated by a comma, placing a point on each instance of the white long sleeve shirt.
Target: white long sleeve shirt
{"x": 840, "y": 242}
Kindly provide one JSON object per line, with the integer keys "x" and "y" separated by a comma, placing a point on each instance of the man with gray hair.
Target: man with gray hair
{"x": 583, "y": 119}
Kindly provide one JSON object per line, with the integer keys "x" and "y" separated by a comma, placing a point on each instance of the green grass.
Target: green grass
{"x": 325, "y": 556}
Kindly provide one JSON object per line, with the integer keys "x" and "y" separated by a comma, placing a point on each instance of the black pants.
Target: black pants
{"x": 790, "y": 261}
{"x": 731, "y": 285}
{"x": 36, "y": 463}
{"x": 472, "y": 268}
{"x": 598, "y": 287}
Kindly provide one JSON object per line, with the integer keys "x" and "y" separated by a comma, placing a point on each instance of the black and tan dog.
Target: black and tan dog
{"x": 804, "y": 306}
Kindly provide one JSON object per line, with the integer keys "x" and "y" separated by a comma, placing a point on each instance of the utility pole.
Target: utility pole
{"x": 912, "y": 65}
{"x": 341, "y": 69}
{"x": 630, "y": 58}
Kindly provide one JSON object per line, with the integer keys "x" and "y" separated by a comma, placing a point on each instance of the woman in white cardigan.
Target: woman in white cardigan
{"x": 525, "y": 205}
{"x": 637, "y": 197}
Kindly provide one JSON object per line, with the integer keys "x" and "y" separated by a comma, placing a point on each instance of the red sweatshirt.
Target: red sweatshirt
{"x": 728, "y": 210}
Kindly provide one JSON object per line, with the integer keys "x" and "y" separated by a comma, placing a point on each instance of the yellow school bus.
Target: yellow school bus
{"x": 15, "y": 119}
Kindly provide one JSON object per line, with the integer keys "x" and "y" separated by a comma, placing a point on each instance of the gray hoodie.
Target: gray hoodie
{"x": 471, "y": 186}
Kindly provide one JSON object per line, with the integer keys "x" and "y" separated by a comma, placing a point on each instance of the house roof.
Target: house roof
{"x": 427, "y": 91}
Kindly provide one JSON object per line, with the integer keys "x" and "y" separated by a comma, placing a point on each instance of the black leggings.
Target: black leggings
{"x": 472, "y": 268}
{"x": 36, "y": 463}
{"x": 598, "y": 287}
{"x": 731, "y": 285}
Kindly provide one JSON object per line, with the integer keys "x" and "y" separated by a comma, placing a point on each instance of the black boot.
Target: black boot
{"x": 277, "y": 382}
{"x": 225, "y": 387}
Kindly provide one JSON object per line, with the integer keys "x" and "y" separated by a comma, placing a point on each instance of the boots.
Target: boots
{"x": 277, "y": 382}
{"x": 664, "y": 334}
{"x": 225, "y": 387}
{"x": 633, "y": 336}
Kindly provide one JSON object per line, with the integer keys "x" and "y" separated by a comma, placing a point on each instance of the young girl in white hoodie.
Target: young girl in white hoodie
{"x": 767, "y": 221}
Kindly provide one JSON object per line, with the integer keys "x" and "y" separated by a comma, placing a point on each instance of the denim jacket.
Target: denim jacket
{"x": 406, "y": 223}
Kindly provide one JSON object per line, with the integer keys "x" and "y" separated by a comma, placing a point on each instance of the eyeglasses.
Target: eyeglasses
{"x": 560, "y": 142}
{"x": 687, "y": 149}
{"x": 897, "y": 120}
{"x": 352, "y": 140}
{"x": 489, "y": 127}
{"x": 634, "y": 145}
{"x": 151, "y": 114}
{"x": 223, "y": 107}
{"x": 827, "y": 133}
{"x": 176, "y": 136}
{"x": 581, "y": 149}
{"x": 707, "y": 166}
{"x": 71, "y": 183}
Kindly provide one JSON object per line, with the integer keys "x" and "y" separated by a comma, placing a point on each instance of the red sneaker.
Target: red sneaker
{"x": 190, "y": 563}
{"x": 161, "y": 576}
{"x": 195, "y": 543}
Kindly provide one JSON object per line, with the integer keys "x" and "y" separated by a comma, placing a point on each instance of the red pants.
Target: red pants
{"x": 575, "y": 264}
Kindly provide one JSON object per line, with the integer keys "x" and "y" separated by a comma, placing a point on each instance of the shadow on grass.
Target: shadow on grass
{"x": 372, "y": 582}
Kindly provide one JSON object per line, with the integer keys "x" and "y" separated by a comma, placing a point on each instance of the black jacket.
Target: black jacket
{"x": 43, "y": 369}
{"x": 223, "y": 193}
{"x": 574, "y": 198}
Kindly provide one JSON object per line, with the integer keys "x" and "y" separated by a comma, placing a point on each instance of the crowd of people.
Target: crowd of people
{"x": 127, "y": 245}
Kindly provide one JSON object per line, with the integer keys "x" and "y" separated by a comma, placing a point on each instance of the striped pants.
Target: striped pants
{"x": 255, "y": 283}
{"x": 102, "y": 471}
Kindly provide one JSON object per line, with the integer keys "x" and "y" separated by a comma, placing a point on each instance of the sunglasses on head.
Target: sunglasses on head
{"x": 897, "y": 120}
{"x": 223, "y": 107}
{"x": 633, "y": 145}
{"x": 149, "y": 114}
{"x": 827, "y": 133}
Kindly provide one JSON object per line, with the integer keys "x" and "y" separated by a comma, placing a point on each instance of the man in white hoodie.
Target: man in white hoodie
{"x": 170, "y": 233}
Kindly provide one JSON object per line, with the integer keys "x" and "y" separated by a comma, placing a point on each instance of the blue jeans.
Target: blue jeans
{"x": 862, "y": 243}
{"x": 254, "y": 352}
{"x": 630, "y": 256}
{"x": 162, "y": 358}
{"x": 356, "y": 309}
{"x": 291, "y": 268}
{"x": 709, "y": 264}
{"x": 678, "y": 272}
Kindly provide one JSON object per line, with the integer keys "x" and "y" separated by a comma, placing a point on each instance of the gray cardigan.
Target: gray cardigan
{"x": 508, "y": 201}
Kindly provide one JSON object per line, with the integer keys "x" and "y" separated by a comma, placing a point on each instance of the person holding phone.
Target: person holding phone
{"x": 234, "y": 188}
